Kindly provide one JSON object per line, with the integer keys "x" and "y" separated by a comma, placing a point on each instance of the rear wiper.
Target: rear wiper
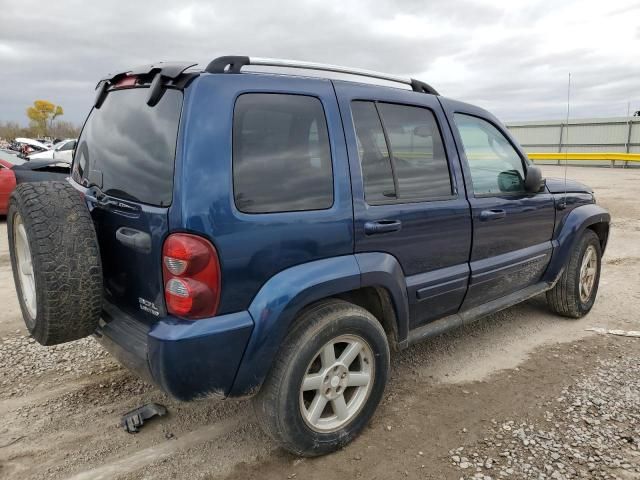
{"x": 97, "y": 196}
{"x": 102, "y": 200}
{"x": 94, "y": 192}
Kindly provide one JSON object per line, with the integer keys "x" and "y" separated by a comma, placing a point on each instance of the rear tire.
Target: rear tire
{"x": 575, "y": 292}
{"x": 56, "y": 261}
{"x": 326, "y": 381}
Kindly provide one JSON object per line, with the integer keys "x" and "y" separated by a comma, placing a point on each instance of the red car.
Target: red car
{"x": 7, "y": 184}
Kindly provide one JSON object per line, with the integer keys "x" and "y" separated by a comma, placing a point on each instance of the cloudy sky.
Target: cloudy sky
{"x": 511, "y": 57}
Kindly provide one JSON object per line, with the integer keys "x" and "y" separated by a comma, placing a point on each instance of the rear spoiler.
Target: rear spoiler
{"x": 160, "y": 76}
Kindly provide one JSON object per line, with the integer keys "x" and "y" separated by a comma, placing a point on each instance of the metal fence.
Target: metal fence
{"x": 606, "y": 141}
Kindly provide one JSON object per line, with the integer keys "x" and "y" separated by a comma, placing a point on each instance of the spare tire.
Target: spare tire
{"x": 56, "y": 261}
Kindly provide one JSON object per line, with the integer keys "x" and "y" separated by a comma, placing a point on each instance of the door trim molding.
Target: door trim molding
{"x": 476, "y": 313}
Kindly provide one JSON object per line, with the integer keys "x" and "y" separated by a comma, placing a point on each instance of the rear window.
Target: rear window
{"x": 281, "y": 154}
{"x": 128, "y": 148}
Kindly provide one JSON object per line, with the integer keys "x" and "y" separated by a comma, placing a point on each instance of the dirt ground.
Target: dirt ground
{"x": 520, "y": 394}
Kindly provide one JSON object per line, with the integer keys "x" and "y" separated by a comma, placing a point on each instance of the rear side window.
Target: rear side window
{"x": 374, "y": 154}
{"x": 418, "y": 154}
{"x": 128, "y": 148}
{"x": 401, "y": 153}
{"x": 281, "y": 154}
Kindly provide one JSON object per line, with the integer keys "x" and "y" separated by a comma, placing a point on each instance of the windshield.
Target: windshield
{"x": 128, "y": 148}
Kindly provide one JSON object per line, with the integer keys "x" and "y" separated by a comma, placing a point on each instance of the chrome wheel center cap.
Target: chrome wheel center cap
{"x": 335, "y": 381}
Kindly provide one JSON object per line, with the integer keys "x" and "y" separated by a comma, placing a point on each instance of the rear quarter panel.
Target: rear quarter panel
{"x": 252, "y": 247}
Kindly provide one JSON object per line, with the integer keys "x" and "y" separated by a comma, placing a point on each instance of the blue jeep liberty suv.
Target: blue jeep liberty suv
{"x": 239, "y": 231}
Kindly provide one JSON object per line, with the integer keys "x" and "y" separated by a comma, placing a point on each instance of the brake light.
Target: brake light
{"x": 126, "y": 81}
{"x": 191, "y": 273}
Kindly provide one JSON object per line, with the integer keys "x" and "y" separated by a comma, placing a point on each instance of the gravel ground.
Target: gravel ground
{"x": 26, "y": 361}
{"x": 522, "y": 394}
{"x": 591, "y": 430}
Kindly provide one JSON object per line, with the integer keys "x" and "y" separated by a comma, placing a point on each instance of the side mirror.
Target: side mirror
{"x": 533, "y": 180}
{"x": 510, "y": 181}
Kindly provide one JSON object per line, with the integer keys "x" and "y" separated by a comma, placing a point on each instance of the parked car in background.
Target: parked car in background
{"x": 61, "y": 151}
{"x": 12, "y": 174}
{"x": 41, "y": 170}
{"x": 49, "y": 142}
{"x": 14, "y": 146}
{"x": 28, "y": 146}
{"x": 7, "y": 184}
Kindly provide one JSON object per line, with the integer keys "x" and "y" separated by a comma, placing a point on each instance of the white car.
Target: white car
{"x": 32, "y": 143}
{"x": 62, "y": 151}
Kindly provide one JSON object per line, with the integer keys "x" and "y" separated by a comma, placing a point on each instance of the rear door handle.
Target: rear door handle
{"x": 382, "y": 226}
{"x": 494, "y": 214}
{"x": 135, "y": 239}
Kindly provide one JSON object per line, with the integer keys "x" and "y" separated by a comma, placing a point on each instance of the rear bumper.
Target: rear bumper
{"x": 187, "y": 360}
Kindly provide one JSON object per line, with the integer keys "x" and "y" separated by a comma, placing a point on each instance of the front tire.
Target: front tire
{"x": 575, "y": 292}
{"x": 327, "y": 380}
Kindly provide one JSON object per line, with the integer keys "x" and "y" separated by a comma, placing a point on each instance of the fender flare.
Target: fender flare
{"x": 383, "y": 270}
{"x": 281, "y": 298}
{"x": 573, "y": 226}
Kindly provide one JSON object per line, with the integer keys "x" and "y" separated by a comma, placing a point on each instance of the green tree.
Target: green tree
{"x": 42, "y": 114}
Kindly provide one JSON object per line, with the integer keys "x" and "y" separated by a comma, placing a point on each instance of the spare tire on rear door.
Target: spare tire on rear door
{"x": 56, "y": 261}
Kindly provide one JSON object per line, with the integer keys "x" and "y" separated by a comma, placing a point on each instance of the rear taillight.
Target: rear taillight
{"x": 191, "y": 272}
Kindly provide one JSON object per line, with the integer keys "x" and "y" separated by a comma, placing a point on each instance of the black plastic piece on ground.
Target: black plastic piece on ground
{"x": 418, "y": 86}
{"x": 227, "y": 64}
{"x": 133, "y": 420}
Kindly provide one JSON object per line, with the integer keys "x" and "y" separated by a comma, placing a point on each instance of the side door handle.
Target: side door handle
{"x": 382, "y": 226}
{"x": 493, "y": 214}
{"x": 135, "y": 239}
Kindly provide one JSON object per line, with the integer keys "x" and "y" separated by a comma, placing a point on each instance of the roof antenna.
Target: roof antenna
{"x": 563, "y": 205}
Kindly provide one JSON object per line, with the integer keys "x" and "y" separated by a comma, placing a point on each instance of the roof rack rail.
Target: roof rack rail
{"x": 233, "y": 64}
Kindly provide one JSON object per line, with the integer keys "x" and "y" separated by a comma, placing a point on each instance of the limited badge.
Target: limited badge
{"x": 148, "y": 307}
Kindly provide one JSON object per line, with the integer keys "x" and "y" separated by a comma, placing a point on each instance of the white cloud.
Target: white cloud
{"x": 511, "y": 57}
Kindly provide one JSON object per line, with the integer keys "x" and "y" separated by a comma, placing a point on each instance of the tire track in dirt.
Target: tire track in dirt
{"x": 149, "y": 455}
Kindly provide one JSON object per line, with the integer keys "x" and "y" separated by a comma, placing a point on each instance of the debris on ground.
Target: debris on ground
{"x": 620, "y": 333}
{"x": 132, "y": 421}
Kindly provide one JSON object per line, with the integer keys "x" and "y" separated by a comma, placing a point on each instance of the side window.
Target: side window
{"x": 281, "y": 154}
{"x": 419, "y": 160}
{"x": 495, "y": 165}
{"x": 416, "y": 169}
{"x": 373, "y": 152}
